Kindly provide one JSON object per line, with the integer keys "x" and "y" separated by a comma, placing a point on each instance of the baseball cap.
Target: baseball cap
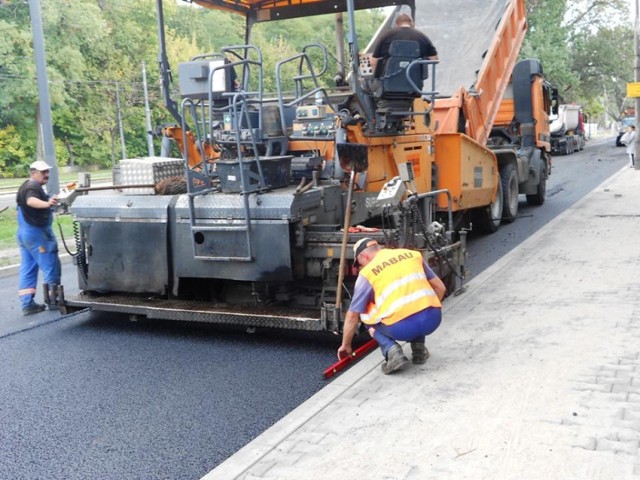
{"x": 40, "y": 166}
{"x": 361, "y": 245}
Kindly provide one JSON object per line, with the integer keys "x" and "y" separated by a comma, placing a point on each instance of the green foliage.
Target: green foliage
{"x": 9, "y": 227}
{"x": 604, "y": 68}
{"x": 13, "y": 156}
{"x": 547, "y": 41}
{"x": 586, "y": 49}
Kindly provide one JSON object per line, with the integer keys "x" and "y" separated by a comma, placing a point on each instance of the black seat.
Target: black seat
{"x": 394, "y": 81}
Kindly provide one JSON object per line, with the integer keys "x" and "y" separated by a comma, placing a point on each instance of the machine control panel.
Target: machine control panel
{"x": 311, "y": 112}
{"x": 317, "y": 128}
{"x": 366, "y": 70}
{"x": 392, "y": 192}
{"x": 314, "y": 121}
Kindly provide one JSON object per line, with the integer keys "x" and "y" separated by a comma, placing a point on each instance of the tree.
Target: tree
{"x": 578, "y": 43}
{"x": 604, "y": 68}
{"x": 548, "y": 40}
{"x": 13, "y": 154}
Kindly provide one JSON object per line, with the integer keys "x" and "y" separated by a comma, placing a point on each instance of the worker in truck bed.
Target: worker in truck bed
{"x": 404, "y": 31}
{"x": 397, "y": 296}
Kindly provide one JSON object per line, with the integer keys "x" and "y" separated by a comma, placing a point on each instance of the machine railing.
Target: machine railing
{"x": 237, "y": 111}
{"x": 305, "y": 72}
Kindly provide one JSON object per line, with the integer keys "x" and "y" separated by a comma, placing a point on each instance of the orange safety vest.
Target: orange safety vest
{"x": 400, "y": 286}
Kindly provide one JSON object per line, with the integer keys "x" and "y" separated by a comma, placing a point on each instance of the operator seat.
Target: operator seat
{"x": 393, "y": 93}
{"x": 393, "y": 82}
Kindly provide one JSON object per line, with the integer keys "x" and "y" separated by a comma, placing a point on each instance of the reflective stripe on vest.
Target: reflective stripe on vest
{"x": 400, "y": 286}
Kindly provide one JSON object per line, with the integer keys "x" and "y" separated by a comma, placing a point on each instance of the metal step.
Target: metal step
{"x": 198, "y": 311}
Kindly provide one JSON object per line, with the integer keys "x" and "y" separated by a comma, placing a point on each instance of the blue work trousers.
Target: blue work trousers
{"x": 414, "y": 328}
{"x": 38, "y": 250}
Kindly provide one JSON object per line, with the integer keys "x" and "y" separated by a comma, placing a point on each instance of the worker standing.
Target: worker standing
{"x": 38, "y": 245}
{"x": 397, "y": 296}
{"x": 629, "y": 140}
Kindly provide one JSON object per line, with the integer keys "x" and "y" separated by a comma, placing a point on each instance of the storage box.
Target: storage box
{"x": 148, "y": 170}
{"x": 276, "y": 172}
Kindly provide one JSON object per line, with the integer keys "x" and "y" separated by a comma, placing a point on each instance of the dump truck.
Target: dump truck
{"x": 567, "y": 130}
{"x": 523, "y": 124}
{"x": 253, "y": 225}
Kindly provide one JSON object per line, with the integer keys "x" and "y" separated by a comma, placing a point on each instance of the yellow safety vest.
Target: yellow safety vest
{"x": 400, "y": 286}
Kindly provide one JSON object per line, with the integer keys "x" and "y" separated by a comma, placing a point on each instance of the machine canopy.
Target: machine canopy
{"x": 267, "y": 10}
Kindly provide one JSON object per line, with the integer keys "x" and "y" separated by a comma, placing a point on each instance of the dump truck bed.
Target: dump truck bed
{"x": 462, "y": 32}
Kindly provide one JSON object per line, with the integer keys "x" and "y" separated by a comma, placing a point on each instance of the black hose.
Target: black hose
{"x": 436, "y": 250}
{"x": 79, "y": 255}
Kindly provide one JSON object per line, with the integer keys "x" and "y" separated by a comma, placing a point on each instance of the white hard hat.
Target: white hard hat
{"x": 40, "y": 166}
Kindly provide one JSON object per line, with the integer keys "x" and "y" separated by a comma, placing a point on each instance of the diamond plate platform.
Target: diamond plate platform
{"x": 207, "y": 312}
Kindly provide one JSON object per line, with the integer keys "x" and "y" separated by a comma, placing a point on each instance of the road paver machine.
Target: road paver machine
{"x": 255, "y": 226}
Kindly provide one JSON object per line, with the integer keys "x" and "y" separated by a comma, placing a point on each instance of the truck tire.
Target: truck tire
{"x": 509, "y": 181}
{"x": 488, "y": 218}
{"x": 538, "y": 198}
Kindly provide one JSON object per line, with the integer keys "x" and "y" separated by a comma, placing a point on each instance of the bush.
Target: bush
{"x": 14, "y": 157}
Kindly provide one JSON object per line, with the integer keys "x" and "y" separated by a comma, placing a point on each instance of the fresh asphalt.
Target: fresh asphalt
{"x": 95, "y": 396}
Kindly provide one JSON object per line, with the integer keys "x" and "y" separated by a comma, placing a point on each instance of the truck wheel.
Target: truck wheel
{"x": 509, "y": 180}
{"x": 541, "y": 190}
{"x": 489, "y": 217}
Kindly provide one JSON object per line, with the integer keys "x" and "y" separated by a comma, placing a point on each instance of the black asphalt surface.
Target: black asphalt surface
{"x": 95, "y": 396}
{"x": 572, "y": 177}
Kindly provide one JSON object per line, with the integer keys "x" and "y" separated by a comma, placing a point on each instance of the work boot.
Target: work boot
{"x": 395, "y": 360}
{"x": 419, "y": 353}
{"x": 33, "y": 308}
{"x": 51, "y": 296}
{"x": 45, "y": 293}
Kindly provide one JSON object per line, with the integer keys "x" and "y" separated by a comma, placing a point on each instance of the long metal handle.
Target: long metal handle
{"x": 345, "y": 238}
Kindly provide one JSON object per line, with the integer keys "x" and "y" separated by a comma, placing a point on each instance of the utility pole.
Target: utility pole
{"x": 120, "y": 129}
{"x": 637, "y": 79}
{"x": 340, "y": 47}
{"x": 147, "y": 111}
{"x": 46, "y": 126}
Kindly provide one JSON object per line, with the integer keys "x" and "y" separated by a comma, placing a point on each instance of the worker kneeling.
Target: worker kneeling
{"x": 398, "y": 297}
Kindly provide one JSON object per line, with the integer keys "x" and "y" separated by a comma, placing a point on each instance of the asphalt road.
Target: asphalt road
{"x": 95, "y": 396}
{"x": 571, "y": 178}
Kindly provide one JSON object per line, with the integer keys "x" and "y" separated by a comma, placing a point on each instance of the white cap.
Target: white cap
{"x": 40, "y": 166}
{"x": 361, "y": 245}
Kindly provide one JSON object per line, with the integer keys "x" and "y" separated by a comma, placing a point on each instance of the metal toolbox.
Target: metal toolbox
{"x": 276, "y": 172}
{"x": 148, "y": 170}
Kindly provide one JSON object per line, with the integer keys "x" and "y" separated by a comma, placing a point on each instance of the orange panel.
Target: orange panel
{"x": 540, "y": 114}
{"x": 243, "y": 6}
{"x": 325, "y": 149}
{"x": 384, "y": 161}
{"x": 506, "y": 112}
{"x": 447, "y": 113}
{"x": 467, "y": 169}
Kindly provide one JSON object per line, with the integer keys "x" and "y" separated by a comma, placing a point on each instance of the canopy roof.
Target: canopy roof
{"x": 266, "y": 10}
